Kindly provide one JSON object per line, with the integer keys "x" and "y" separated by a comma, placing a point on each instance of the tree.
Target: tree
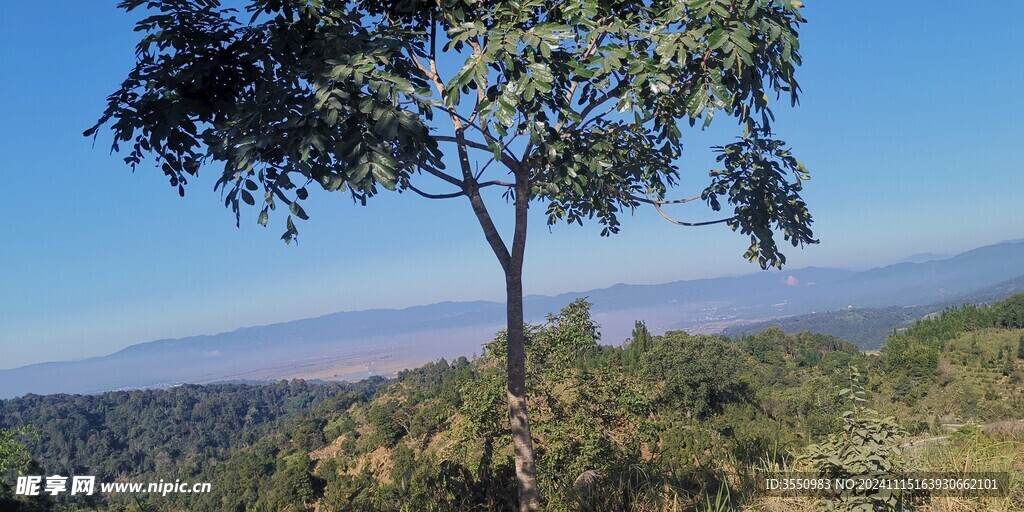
{"x": 639, "y": 342}
{"x": 15, "y": 461}
{"x": 582, "y": 104}
{"x": 868, "y": 444}
{"x": 641, "y": 336}
{"x": 1011, "y": 312}
{"x": 696, "y": 374}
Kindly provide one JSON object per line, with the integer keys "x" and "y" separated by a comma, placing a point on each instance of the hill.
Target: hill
{"x": 866, "y": 327}
{"x": 869, "y": 328}
{"x": 354, "y": 345}
{"x": 664, "y": 421}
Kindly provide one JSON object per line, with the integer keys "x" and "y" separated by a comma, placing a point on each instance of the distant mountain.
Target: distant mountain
{"x": 922, "y": 257}
{"x": 871, "y": 327}
{"x": 928, "y": 282}
{"x": 353, "y": 345}
{"x": 993, "y": 293}
{"x": 866, "y": 327}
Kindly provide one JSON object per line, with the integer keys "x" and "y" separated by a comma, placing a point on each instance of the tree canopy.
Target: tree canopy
{"x": 587, "y": 98}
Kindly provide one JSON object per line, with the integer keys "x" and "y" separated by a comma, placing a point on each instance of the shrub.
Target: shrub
{"x": 867, "y": 445}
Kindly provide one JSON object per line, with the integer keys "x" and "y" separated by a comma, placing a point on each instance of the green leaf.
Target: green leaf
{"x": 717, "y": 37}
{"x": 298, "y": 211}
{"x": 359, "y": 172}
{"x": 697, "y": 101}
{"x": 541, "y": 73}
{"x": 384, "y": 176}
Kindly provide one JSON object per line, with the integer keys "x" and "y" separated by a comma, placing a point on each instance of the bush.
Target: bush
{"x": 867, "y": 445}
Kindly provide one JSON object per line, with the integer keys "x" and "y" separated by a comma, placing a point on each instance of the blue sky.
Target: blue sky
{"x": 909, "y": 123}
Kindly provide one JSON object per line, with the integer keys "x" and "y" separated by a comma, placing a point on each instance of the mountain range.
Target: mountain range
{"x": 356, "y": 344}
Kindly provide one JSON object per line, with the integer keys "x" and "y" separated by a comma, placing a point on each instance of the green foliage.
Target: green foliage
{"x": 1011, "y": 312}
{"x": 867, "y": 445}
{"x": 970, "y": 339}
{"x": 955, "y": 321}
{"x": 291, "y": 486}
{"x": 160, "y": 432}
{"x": 342, "y": 425}
{"x": 390, "y": 421}
{"x": 348, "y": 92}
{"x": 639, "y": 343}
{"x": 867, "y": 328}
{"x": 14, "y": 457}
{"x": 911, "y": 357}
{"x": 16, "y": 460}
{"x": 582, "y": 402}
{"x": 699, "y": 374}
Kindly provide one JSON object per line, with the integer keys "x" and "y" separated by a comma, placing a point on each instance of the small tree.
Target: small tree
{"x": 867, "y": 446}
{"x": 639, "y": 343}
{"x": 641, "y": 336}
{"x": 579, "y": 105}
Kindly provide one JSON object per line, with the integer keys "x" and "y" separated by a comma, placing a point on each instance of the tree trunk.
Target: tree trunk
{"x": 522, "y": 439}
{"x": 512, "y": 264}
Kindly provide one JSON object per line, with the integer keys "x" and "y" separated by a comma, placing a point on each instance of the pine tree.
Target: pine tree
{"x": 639, "y": 343}
{"x": 642, "y": 336}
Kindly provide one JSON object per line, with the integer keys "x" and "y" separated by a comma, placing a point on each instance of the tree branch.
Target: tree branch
{"x": 435, "y": 196}
{"x": 507, "y": 159}
{"x": 472, "y": 190}
{"x": 445, "y": 177}
{"x": 496, "y": 183}
{"x": 522, "y": 203}
{"x": 589, "y": 52}
{"x": 480, "y": 170}
{"x": 659, "y": 202}
{"x": 481, "y": 89}
{"x": 610, "y": 93}
{"x": 468, "y": 143}
{"x": 690, "y": 224}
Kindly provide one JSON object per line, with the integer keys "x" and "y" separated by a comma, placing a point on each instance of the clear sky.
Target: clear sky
{"x": 910, "y": 124}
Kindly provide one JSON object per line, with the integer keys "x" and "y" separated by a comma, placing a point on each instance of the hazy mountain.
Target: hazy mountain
{"x": 871, "y": 327}
{"x": 866, "y": 327}
{"x": 351, "y": 345}
{"x": 922, "y": 257}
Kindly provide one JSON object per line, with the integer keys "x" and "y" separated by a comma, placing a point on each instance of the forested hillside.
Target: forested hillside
{"x": 663, "y": 421}
{"x": 867, "y": 328}
{"x": 162, "y": 433}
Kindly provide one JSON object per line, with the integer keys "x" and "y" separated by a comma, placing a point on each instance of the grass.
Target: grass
{"x": 972, "y": 451}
